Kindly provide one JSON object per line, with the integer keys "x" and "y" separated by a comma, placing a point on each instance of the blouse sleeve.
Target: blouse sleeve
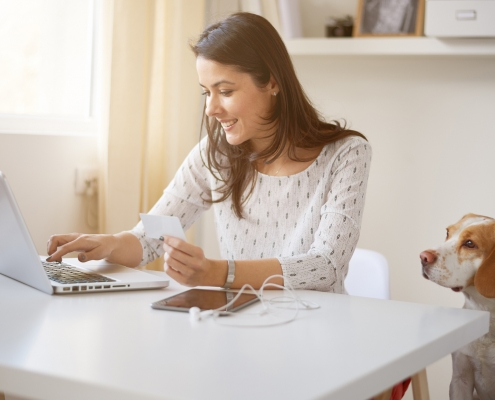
{"x": 324, "y": 267}
{"x": 185, "y": 197}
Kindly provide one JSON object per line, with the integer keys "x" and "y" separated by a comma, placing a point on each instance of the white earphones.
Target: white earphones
{"x": 269, "y": 308}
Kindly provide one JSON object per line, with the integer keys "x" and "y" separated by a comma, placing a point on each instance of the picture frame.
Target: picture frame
{"x": 385, "y": 18}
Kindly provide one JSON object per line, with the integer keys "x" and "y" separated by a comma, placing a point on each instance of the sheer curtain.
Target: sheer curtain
{"x": 153, "y": 103}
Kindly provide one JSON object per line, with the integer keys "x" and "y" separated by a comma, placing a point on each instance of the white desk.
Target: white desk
{"x": 114, "y": 346}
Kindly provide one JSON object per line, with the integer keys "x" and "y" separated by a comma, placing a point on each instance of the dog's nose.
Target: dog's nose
{"x": 427, "y": 257}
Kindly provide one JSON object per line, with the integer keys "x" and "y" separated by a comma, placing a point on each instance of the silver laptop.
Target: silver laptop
{"x": 19, "y": 260}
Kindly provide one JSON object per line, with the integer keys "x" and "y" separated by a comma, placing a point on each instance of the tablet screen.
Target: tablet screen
{"x": 204, "y": 299}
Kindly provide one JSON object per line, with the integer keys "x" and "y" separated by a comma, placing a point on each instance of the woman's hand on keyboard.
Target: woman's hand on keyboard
{"x": 90, "y": 247}
{"x": 122, "y": 248}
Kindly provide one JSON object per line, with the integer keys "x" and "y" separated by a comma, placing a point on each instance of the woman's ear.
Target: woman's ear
{"x": 484, "y": 280}
{"x": 273, "y": 85}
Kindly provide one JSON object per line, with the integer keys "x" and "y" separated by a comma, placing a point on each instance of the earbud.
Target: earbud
{"x": 195, "y": 314}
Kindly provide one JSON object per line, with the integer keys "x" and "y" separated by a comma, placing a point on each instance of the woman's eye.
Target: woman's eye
{"x": 205, "y": 94}
{"x": 226, "y": 92}
{"x": 469, "y": 244}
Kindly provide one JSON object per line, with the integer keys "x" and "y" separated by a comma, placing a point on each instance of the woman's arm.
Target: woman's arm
{"x": 188, "y": 265}
{"x": 324, "y": 266}
{"x": 184, "y": 197}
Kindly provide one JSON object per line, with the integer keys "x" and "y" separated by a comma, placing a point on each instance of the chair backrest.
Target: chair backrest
{"x": 368, "y": 275}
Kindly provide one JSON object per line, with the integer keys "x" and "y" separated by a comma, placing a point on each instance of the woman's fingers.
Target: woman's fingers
{"x": 98, "y": 253}
{"x": 178, "y": 255}
{"x": 181, "y": 245}
{"x": 58, "y": 240}
{"x": 176, "y": 276}
{"x": 182, "y": 268}
{"x": 174, "y": 269}
{"x": 83, "y": 243}
{"x": 184, "y": 262}
{"x": 183, "y": 249}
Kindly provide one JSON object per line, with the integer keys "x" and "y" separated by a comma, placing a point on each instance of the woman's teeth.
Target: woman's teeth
{"x": 228, "y": 124}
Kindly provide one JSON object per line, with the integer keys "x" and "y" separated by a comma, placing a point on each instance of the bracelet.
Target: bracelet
{"x": 230, "y": 274}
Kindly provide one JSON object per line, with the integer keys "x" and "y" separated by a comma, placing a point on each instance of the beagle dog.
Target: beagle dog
{"x": 466, "y": 263}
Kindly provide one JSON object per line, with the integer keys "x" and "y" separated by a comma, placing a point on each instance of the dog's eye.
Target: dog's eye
{"x": 469, "y": 244}
{"x": 446, "y": 237}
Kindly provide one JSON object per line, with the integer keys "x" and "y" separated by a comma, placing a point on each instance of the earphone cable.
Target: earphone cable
{"x": 267, "y": 306}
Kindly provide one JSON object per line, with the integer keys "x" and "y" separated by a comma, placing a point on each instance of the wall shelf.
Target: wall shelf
{"x": 400, "y": 46}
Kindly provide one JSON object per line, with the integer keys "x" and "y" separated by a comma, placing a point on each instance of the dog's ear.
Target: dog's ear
{"x": 484, "y": 280}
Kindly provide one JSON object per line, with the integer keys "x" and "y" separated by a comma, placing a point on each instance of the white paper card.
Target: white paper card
{"x": 162, "y": 225}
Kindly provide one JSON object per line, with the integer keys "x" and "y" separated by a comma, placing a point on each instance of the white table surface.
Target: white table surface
{"x": 115, "y": 346}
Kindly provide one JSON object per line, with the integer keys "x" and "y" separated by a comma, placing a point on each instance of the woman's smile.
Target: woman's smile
{"x": 227, "y": 125}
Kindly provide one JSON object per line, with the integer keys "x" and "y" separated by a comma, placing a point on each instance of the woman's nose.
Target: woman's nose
{"x": 212, "y": 106}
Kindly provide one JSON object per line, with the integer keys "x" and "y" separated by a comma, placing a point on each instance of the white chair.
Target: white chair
{"x": 368, "y": 275}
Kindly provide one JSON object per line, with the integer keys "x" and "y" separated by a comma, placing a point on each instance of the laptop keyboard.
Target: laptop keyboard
{"x": 65, "y": 273}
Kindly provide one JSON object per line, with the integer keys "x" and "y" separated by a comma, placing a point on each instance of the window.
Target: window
{"x": 47, "y": 66}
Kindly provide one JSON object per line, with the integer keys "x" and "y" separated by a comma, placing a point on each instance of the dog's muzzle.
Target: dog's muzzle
{"x": 428, "y": 258}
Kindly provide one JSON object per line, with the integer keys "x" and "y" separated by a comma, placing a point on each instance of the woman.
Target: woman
{"x": 287, "y": 188}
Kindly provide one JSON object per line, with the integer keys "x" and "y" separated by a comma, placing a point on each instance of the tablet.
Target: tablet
{"x": 204, "y": 299}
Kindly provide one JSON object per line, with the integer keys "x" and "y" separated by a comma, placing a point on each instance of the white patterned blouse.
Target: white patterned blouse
{"x": 309, "y": 221}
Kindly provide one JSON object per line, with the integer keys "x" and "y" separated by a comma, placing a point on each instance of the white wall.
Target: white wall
{"x": 41, "y": 171}
{"x": 432, "y": 127}
{"x": 430, "y": 121}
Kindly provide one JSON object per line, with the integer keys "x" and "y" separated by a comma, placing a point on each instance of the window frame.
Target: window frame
{"x": 66, "y": 125}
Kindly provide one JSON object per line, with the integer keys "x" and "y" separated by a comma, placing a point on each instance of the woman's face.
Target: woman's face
{"x": 236, "y": 102}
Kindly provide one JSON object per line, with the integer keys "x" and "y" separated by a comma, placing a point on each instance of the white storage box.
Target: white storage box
{"x": 460, "y": 18}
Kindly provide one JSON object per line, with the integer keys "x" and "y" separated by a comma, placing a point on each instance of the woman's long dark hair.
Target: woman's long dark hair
{"x": 251, "y": 44}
